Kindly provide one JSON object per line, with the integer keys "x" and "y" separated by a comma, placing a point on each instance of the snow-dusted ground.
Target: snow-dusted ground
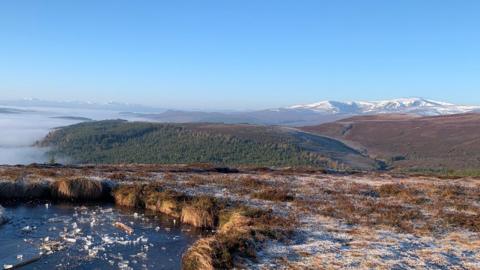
{"x": 323, "y": 241}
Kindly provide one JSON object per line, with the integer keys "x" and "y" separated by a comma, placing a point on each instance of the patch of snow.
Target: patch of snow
{"x": 418, "y": 106}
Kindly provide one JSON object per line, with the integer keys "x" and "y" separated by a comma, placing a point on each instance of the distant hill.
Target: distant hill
{"x": 75, "y": 118}
{"x": 450, "y": 141}
{"x": 12, "y": 111}
{"x": 118, "y": 141}
{"x": 285, "y": 117}
{"x": 312, "y": 114}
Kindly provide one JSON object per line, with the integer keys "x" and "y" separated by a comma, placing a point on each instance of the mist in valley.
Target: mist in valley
{"x": 22, "y": 127}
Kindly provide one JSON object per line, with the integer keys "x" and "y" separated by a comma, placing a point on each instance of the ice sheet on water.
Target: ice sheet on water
{"x": 68, "y": 235}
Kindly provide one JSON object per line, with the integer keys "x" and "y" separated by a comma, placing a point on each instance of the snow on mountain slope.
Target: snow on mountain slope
{"x": 403, "y": 105}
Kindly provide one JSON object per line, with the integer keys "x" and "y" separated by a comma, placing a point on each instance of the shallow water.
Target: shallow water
{"x": 88, "y": 240}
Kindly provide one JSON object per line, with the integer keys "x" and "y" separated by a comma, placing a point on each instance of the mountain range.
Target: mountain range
{"x": 316, "y": 113}
{"x": 296, "y": 115}
{"x": 418, "y": 106}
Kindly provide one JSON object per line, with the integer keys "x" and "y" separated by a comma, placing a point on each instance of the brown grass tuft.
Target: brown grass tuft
{"x": 167, "y": 202}
{"x": 78, "y": 189}
{"x": 24, "y": 190}
{"x": 201, "y": 212}
{"x": 202, "y": 255}
{"x": 128, "y": 196}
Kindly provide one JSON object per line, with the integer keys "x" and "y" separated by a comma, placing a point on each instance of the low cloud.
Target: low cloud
{"x": 20, "y": 131}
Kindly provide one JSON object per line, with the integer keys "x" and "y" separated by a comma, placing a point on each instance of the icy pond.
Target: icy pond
{"x": 66, "y": 236}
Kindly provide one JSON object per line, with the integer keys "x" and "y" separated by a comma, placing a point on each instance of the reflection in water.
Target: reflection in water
{"x": 83, "y": 237}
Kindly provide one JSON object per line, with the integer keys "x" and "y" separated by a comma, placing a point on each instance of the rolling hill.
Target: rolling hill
{"x": 412, "y": 142}
{"x": 117, "y": 141}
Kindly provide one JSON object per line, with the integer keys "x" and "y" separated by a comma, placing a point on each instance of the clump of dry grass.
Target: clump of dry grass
{"x": 165, "y": 201}
{"x": 12, "y": 173}
{"x": 201, "y": 212}
{"x": 200, "y": 255}
{"x": 240, "y": 230}
{"x": 78, "y": 189}
{"x": 128, "y": 196}
{"x": 24, "y": 190}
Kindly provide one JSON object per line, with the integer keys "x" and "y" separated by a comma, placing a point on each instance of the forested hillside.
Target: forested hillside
{"x": 118, "y": 141}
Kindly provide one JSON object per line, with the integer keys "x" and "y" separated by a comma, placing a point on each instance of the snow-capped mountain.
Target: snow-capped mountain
{"x": 418, "y": 106}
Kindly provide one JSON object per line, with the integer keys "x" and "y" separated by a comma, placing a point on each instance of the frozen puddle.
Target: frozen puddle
{"x": 65, "y": 236}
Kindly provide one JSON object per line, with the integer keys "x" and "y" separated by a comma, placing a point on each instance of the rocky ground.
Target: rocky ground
{"x": 362, "y": 221}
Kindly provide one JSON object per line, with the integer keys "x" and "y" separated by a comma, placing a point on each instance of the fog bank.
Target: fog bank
{"x": 19, "y": 131}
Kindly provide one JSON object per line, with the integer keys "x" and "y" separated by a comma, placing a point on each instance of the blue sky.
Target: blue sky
{"x": 239, "y": 54}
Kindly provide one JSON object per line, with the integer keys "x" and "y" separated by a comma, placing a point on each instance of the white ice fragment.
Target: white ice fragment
{"x": 70, "y": 240}
{"x": 123, "y": 265}
{"x": 7, "y": 266}
{"x": 124, "y": 243}
{"x": 92, "y": 252}
{"x": 20, "y": 257}
{"x": 27, "y": 229}
{"x": 141, "y": 255}
{"x": 107, "y": 240}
